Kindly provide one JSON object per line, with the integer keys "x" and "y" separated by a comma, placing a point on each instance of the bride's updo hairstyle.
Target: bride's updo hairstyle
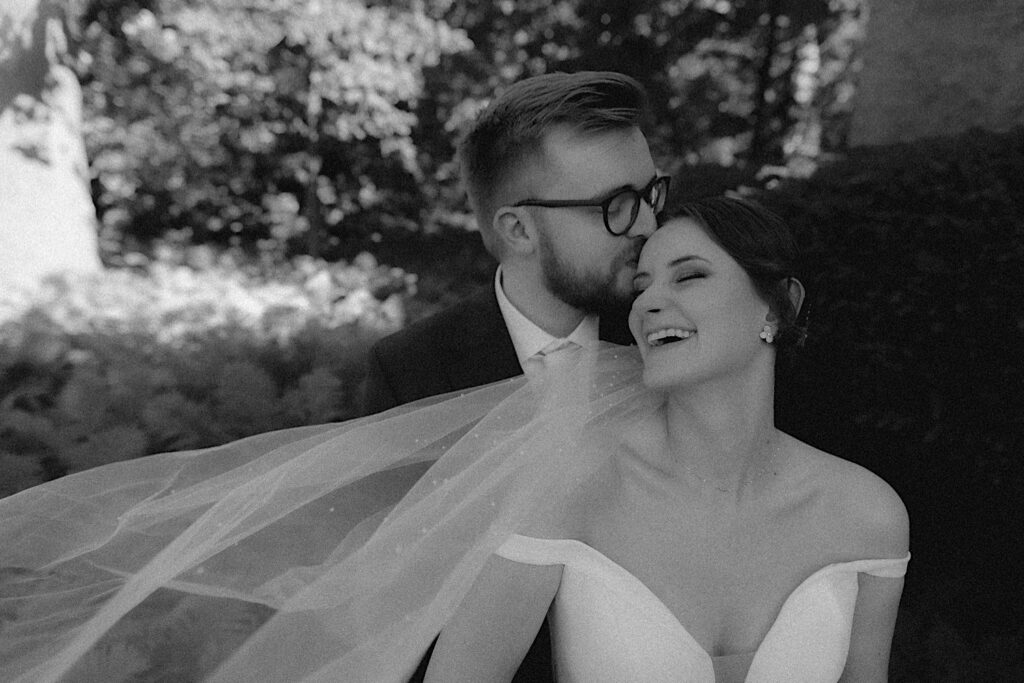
{"x": 762, "y": 244}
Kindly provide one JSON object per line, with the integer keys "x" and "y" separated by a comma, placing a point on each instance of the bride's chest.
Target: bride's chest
{"x": 725, "y": 581}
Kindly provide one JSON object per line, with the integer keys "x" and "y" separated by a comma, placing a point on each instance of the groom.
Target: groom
{"x": 565, "y": 192}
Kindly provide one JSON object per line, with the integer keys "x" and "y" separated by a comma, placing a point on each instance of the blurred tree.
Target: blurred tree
{"x": 731, "y": 81}
{"x": 47, "y": 222}
{"x": 278, "y": 119}
{"x": 322, "y": 128}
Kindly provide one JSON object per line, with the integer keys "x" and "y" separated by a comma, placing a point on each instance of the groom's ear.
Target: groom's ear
{"x": 514, "y": 229}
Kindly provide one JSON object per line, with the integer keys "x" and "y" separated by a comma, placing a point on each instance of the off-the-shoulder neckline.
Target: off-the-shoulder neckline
{"x": 862, "y": 565}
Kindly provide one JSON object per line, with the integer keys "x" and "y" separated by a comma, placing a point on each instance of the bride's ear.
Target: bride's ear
{"x": 795, "y": 290}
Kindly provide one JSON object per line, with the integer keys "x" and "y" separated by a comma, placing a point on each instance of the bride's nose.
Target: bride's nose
{"x": 647, "y": 302}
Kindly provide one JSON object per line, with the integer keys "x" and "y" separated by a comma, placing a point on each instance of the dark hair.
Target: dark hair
{"x": 513, "y": 126}
{"x": 762, "y": 244}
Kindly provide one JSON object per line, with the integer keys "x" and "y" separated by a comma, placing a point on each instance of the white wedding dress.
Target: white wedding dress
{"x": 607, "y": 626}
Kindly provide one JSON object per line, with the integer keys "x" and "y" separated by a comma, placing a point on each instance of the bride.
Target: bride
{"x": 713, "y": 546}
{"x": 648, "y": 505}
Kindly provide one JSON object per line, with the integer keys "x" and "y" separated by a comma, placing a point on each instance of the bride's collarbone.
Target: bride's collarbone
{"x": 724, "y": 571}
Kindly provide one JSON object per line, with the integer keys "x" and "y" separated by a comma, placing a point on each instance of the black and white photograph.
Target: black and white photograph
{"x": 664, "y": 341}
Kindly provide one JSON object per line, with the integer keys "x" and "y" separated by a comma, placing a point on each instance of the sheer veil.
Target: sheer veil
{"x": 334, "y": 552}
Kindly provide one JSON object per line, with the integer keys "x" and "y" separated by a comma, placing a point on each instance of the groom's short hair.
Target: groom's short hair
{"x": 512, "y": 128}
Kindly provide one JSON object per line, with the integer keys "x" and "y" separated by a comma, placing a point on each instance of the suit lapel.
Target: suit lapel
{"x": 481, "y": 348}
{"x": 614, "y": 328}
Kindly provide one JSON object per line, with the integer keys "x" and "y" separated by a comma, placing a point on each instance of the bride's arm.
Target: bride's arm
{"x": 883, "y": 519}
{"x": 874, "y": 620}
{"x": 494, "y": 626}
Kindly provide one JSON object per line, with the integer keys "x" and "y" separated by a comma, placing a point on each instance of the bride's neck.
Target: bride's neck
{"x": 721, "y": 438}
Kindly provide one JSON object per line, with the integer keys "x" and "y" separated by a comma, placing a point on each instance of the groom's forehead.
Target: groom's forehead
{"x": 590, "y": 165}
{"x": 564, "y": 147}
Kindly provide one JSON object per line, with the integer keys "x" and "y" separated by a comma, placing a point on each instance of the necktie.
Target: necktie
{"x": 559, "y": 348}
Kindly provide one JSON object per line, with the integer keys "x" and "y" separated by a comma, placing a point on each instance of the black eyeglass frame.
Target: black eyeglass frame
{"x": 646, "y": 195}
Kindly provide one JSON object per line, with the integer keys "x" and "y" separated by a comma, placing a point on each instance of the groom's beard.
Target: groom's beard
{"x": 593, "y": 292}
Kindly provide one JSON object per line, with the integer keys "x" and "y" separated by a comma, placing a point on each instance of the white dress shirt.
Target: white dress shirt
{"x": 529, "y": 339}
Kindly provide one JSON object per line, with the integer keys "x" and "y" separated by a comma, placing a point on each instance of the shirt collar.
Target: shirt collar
{"x": 528, "y": 338}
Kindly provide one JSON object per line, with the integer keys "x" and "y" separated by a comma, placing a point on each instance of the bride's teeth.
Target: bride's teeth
{"x": 664, "y": 336}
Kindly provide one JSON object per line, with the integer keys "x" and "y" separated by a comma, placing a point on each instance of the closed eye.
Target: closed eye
{"x": 690, "y": 276}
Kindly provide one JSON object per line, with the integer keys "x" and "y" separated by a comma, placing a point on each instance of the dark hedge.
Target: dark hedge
{"x": 914, "y": 261}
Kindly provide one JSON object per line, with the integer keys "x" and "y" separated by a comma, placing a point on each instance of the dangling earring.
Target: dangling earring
{"x": 767, "y": 333}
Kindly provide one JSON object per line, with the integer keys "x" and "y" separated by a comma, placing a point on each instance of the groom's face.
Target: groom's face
{"x": 582, "y": 263}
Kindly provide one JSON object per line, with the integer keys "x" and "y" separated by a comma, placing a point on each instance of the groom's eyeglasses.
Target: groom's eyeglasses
{"x": 620, "y": 208}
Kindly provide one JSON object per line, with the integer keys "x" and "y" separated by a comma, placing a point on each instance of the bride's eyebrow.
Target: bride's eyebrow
{"x": 686, "y": 259}
{"x": 671, "y": 264}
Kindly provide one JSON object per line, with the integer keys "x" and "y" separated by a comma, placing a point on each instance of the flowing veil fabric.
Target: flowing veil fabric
{"x": 334, "y": 552}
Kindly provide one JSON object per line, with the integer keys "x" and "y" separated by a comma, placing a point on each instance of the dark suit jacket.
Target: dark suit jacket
{"x": 461, "y": 347}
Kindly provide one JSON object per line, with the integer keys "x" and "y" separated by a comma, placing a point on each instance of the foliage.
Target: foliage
{"x": 169, "y": 356}
{"x": 735, "y": 73}
{"x": 915, "y": 256}
{"x": 263, "y": 124}
{"x": 914, "y": 260}
{"x": 323, "y": 128}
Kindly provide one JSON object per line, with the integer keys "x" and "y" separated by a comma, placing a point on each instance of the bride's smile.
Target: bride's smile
{"x": 697, "y": 313}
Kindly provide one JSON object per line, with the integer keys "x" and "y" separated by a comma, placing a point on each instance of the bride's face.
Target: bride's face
{"x": 697, "y": 314}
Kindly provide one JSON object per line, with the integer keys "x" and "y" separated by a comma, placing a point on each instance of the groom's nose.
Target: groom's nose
{"x": 646, "y": 222}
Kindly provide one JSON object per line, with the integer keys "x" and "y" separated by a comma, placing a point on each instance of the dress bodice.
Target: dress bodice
{"x": 608, "y": 626}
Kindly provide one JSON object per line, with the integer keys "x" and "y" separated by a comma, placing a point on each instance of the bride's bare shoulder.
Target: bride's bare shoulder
{"x": 857, "y": 501}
